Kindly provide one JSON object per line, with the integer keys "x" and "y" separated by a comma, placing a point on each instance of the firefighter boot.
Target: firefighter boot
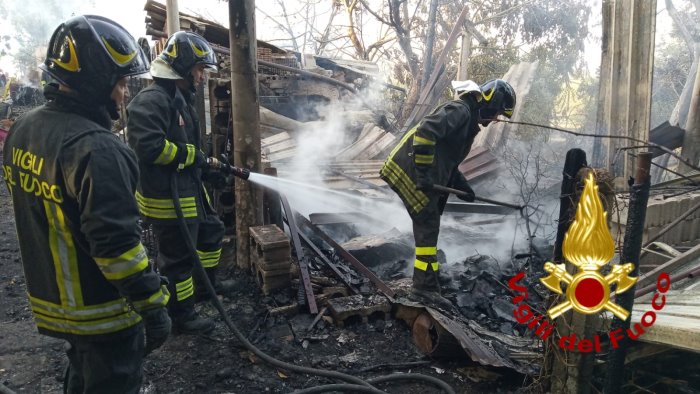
{"x": 185, "y": 319}
{"x": 426, "y": 281}
{"x": 221, "y": 287}
{"x": 193, "y": 325}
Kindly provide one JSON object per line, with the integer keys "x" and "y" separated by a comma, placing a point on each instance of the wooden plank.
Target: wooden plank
{"x": 357, "y": 147}
{"x": 365, "y": 129}
{"x": 679, "y": 332}
{"x": 690, "y": 311}
{"x": 377, "y": 148}
{"x": 692, "y": 256}
{"x": 679, "y": 297}
{"x": 275, "y": 138}
{"x": 280, "y": 146}
{"x": 282, "y": 155}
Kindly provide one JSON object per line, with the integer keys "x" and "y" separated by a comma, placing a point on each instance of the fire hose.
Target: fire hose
{"x": 354, "y": 384}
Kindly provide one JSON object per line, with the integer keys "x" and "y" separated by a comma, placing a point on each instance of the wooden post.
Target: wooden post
{"x": 246, "y": 119}
{"x": 462, "y": 70}
{"x": 629, "y": 87}
{"x": 691, "y": 142}
{"x": 172, "y": 19}
{"x": 632, "y": 248}
{"x": 600, "y": 145}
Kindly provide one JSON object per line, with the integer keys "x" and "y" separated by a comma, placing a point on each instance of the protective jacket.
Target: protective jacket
{"x": 163, "y": 130}
{"x": 438, "y": 143}
{"x": 72, "y": 184}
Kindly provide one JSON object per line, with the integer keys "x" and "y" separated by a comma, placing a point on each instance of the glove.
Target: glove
{"x": 157, "y": 325}
{"x": 424, "y": 180}
{"x": 199, "y": 159}
{"x": 215, "y": 178}
{"x": 459, "y": 182}
{"x": 469, "y": 193}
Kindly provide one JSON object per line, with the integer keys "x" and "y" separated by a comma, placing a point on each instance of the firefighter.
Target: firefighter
{"x": 163, "y": 129}
{"x": 72, "y": 184}
{"x": 429, "y": 154}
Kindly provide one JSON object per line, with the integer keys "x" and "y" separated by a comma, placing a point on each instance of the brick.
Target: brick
{"x": 272, "y": 280}
{"x": 269, "y": 247}
{"x": 358, "y": 307}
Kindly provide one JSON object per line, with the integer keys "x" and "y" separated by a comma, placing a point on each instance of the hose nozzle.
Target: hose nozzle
{"x": 242, "y": 173}
{"x": 226, "y": 168}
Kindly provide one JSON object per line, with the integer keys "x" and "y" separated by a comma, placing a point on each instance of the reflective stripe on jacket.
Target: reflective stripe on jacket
{"x": 163, "y": 130}
{"x": 72, "y": 183}
{"x": 439, "y": 142}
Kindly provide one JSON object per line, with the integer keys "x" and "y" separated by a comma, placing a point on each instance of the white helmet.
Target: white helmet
{"x": 161, "y": 69}
{"x": 463, "y": 87}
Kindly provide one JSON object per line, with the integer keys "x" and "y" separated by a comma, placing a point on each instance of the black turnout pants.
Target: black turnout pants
{"x": 108, "y": 367}
{"x": 175, "y": 261}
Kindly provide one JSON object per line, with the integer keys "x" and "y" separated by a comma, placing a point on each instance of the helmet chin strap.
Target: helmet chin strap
{"x": 190, "y": 79}
{"x": 113, "y": 109}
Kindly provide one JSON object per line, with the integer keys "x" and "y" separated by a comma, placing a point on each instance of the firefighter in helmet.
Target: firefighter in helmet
{"x": 429, "y": 154}
{"x": 163, "y": 129}
{"x": 88, "y": 277}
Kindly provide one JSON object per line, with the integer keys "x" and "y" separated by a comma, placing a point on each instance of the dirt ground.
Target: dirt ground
{"x": 32, "y": 363}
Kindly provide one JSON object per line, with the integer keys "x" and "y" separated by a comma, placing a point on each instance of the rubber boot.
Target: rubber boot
{"x": 426, "y": 281}
{"x": 221, "y": 287}
{"x": 193, "y": 325}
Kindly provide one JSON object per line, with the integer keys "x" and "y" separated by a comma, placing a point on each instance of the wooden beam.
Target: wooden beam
{"x": 672, "y": 265}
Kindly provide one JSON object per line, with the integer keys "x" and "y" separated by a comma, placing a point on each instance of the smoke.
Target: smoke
{"x": 531, "y": 176}
{"x": 28, "y": 24}
{"x": 317, "y": 146}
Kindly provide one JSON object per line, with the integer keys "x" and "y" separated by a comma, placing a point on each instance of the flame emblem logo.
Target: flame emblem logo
{"x": 589, "y": 246}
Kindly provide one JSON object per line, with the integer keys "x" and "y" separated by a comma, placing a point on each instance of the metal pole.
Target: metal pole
{"x": 639, "y": 196}
{"x": 172, "y": 18}
{"x": 246, "y": 120}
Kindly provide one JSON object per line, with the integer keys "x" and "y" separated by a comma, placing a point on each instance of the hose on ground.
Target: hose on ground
{"x": 357, "y": 382}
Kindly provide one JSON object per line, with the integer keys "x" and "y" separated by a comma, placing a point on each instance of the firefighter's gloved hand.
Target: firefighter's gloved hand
{"x": 424, "y": 180}
{"x": 157, "y": 325}
{"x": 214, "y": 177}
{"x": 468, "y": 195}
{"x": 200, "y": 160}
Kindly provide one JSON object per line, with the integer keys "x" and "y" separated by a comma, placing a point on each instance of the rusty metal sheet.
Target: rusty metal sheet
{"x": 357, "y": 264}
{"x": 517, "y": 353}
{"x": 303, "y": 268}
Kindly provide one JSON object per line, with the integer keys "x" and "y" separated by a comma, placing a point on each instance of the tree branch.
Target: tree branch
{"x": 685, "y": 33}
{"x": 352, "y": 35}
{"x": 374, "y": 14}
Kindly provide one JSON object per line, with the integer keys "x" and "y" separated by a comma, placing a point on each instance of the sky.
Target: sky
{"x": 130, "y": 14}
